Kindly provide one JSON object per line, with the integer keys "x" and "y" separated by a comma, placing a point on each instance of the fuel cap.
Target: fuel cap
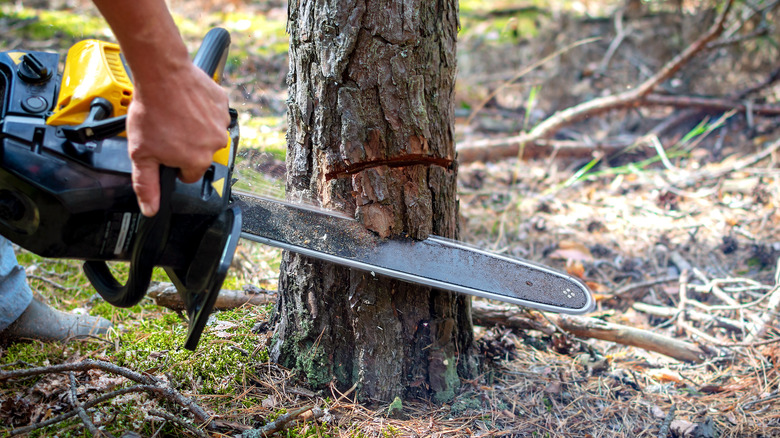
{"x": 32, "y": 70}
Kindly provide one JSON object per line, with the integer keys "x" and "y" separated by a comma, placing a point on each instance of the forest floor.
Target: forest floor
{"x": 670, "y": 213}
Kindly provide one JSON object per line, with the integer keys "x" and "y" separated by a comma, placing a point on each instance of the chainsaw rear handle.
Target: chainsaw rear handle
{"x": 153, "y": 232}
{"x": 149, "y": 244}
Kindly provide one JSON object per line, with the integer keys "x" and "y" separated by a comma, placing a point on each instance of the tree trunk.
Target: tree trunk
{"x": 370, "y": 133}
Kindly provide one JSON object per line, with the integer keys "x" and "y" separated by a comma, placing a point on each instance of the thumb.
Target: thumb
{"x": 146, "y": 184}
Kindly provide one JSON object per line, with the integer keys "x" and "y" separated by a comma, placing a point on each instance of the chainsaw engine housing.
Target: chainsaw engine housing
{"x": 65, "y": 198}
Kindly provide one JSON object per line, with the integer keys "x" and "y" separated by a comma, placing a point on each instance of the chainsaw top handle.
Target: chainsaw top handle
{"x": 153, "y": 232}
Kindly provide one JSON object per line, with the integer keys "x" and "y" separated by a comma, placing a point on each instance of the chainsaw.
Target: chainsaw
{"x": 66, "y": 192}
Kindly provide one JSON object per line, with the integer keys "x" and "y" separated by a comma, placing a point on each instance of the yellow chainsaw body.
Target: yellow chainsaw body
{"x": 93, "y": 69}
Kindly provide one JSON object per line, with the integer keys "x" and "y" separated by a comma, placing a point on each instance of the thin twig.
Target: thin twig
{"x": 50, "y": 282}
{"x": 758, "y": 329}
{"x": 624, "y": 290}
{"x": 87, "y": 405}
{"x": 663, "y": 432}
{"x": 178, "y": 421}
{"x": 155, "y": 385}
{"x": 620, "y": 36}
{"x": 527, "y": 70}
{"x": 82, "y": 413}
{"x": 276, "y": 425}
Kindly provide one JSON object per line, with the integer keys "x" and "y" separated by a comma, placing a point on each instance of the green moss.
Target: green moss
{"x": 314, "y": 364}
{"x": 31, "y": 353}
{"x": 467, "y": 403}
{"x": 220, "y": 359}
{"x": 452, "y": 381}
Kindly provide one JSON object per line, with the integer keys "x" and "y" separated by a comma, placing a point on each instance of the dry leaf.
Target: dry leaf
{"x": 596, "y": 287}
{"x": 665, "y": 376}
{"x": 575, "y": 268}
{"x": 572, "y": 251}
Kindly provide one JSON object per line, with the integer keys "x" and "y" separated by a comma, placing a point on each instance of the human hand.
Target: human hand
{"x": 178, "y": 120}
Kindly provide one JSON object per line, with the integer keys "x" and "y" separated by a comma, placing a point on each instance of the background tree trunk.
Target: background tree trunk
{"x": 370, "y": 133}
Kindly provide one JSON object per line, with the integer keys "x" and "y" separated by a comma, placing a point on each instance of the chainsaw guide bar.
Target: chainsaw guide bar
{"x": 434, "y": 262}
{"x": 66, "y": 192}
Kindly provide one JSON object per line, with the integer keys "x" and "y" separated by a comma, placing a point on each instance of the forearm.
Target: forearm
{"x": 149, "y": 38}
{"x": 179, "y": 115}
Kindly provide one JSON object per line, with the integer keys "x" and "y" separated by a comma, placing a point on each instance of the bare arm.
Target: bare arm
{"x": 178, "y": 116}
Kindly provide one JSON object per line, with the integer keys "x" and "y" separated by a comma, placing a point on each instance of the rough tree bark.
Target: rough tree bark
{"x": 370, "y": 133}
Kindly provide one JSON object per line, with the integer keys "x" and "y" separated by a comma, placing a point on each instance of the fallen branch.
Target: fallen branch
{"x": 663, "y": 432}
{"x": 148, "y": 384}
{"x": 168, "y": 417}
{"x": 712, "y": 173}
{"x": 757, "y": 330}
{"x": 88, "y": 404}
{"x": 508, "y": 147}
{"x": 628, "y": 99}
{"x": 488, "y": 315}
{"x": 165, "y": 295}
{"x": 82, "y": 413}
{"x": 693, "y": 315}
{"x": 597, "y": 329}
{"x": 584, "y": 327}
{"x": 276, "y": 425}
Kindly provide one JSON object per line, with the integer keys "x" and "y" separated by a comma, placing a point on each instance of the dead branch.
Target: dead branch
{"x": 508, "y": 147}
{"x": 620, "y": 35}
{"x": 87, "y": 405}
{"x": 710, "y": 103}
{"x": 82, "y": 413}
{"x": 592, "y": 328}
{"x": 153, "y": 385}
{"x": 621, "y": 334}
{"x": 276, "y": 425}
{"x": 628, "y": 99}
{"x": 693, "y": 315}
{"x": 168, "y": 417}
{"x": 165, "y": 295}
{"x": 663, "y": 432}
{"x": 712, "y": 173}
{"x": 758, "y": 329}
{"x": 488, "y": 315}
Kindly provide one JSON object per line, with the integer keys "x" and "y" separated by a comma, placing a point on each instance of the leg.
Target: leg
{"x": 23, "y": 317}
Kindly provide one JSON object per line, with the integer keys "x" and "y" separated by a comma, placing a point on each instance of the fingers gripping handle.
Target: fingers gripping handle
{"x": 153, "y": 232}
